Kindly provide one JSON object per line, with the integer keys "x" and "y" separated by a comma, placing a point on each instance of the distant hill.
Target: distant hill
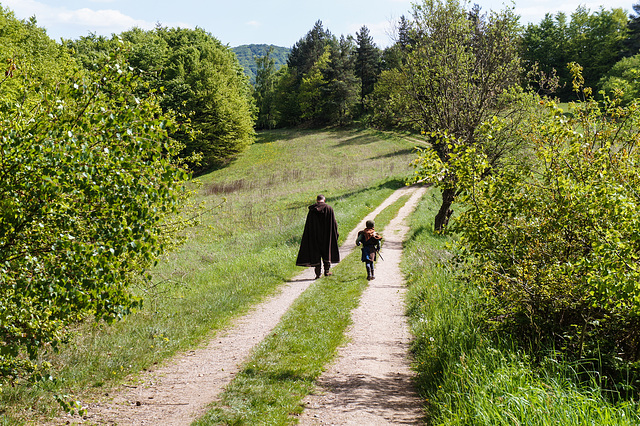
{"x": 248, "y": 53}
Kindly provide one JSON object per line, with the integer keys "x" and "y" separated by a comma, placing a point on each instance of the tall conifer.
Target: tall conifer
{"x": 367, "y": 61}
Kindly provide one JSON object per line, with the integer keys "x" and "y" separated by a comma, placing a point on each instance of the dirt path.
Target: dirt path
{"x": 179, "y": 392}
{"x": 370, "y": 383}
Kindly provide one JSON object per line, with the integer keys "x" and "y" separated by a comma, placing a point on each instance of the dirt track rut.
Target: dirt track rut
{"x": 179, "y": 391}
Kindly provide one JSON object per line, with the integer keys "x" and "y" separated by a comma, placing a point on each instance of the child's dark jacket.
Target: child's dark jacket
{"x": 370, "y": 241}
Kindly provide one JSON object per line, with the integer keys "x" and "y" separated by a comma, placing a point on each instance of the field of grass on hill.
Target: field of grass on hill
{"x": 243, "y": 250}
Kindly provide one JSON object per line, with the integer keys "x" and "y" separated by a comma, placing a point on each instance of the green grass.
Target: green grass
{"x": 468, "y": 377}
{"x": 282, "y": 370}
{"x": 244, "y": 249}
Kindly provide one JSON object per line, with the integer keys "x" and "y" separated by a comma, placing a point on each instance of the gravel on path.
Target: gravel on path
{"x": 178, "y": 392}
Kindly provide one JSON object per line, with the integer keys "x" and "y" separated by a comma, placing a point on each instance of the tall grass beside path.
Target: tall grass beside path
{"x": 467, "y": 377}
{"x": 244, "y": 249}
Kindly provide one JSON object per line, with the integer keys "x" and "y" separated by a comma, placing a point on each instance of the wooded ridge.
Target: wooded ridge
{"x": 248, "y": 53}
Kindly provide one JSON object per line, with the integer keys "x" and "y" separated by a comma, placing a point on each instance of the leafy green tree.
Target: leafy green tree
{"x": 198, "y": 79}
{"x": 311, "y": 96}
{"x": 308, "y": 50}
{"x": 304, "y": 72}
{"x": 596, "y": 41}
{"x": 148, "y": 53}
{"x": 204, "y": 81}
{"x": 623, "y": 80}
{"x": 367, "y": 62}
{"x": 390, "y": 105}
{"x": 391, "y": 57}
{"x": 593, "y": 40}
{"x": 545, "y": 46}
{"x": 25, "y": 45}
{"x": 287, "y": 107}
{"x": 319, "y": 86}
{"x": 456, "y": 70}
{"x": 88, "y": 187}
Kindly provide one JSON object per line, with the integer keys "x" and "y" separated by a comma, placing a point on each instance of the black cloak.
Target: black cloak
{"x": 320, "y": 237}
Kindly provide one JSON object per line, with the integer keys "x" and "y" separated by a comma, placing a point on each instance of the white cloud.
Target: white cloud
{"x": 70, "y": 23}
{"x": 98, "y": 19}
{"x": 253, "y": 24}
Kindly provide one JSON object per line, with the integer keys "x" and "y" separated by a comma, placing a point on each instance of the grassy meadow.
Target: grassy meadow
{"x": 243, "y": 250}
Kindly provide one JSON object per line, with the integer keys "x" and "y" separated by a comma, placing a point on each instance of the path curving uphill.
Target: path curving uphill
{"x": 180, "y": 391}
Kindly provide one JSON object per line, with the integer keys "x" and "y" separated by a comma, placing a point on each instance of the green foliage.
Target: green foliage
{"x": 25, "y": 45}
{"x": 249, "y": 54}
{"x": 204, "y": 81}
{"x": 623, "y": 80}
{"x": 302, "y": 85}
{"x": 631, "y": 44}
{"x": 467, "y": 375}
{"x": 265, "y": 91}
{"x": 457, "y": 66}
{"x": 594, "y": 40}
{"x": 343, "y": 85}
{"x": 198, "y": 79}
{"x": 286, "y": 98}
{"x": 311, "y": 95}
{"x": 88, "y": 181}
{"x": 308, "y": 50}
{"x": 554, "y": 240}
{"x": 367, "y": 66}
{"x": 389, "y": 104}
{"x": 319, "y": 86}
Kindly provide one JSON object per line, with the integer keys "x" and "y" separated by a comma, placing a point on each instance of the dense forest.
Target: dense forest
{"x": 531, "y": 133}
{"x": 247, "y": 55}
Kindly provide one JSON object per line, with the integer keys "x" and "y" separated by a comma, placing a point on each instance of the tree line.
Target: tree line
{"x": 332, "y": 81}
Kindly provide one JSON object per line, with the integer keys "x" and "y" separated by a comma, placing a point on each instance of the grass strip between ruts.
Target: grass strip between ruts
{"x": 283, "y": 369}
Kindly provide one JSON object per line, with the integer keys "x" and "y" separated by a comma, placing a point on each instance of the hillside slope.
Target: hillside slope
{"x": 248, "y": 53}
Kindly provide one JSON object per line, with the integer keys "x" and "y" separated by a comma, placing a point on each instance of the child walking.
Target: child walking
{"x": 370, "y": 241}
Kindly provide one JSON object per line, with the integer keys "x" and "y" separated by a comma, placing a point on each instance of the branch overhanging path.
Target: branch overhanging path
{"x": 180, "y": 391}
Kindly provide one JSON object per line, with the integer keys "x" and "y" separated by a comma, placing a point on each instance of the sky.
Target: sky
{"x": 238, "y": 22}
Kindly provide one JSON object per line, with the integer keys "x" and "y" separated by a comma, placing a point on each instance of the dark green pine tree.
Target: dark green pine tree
{"x": 367, "y": 62}
{"x": 344, "y": 87}
{"x": 306, "y": 52}
{"x": 631, "y": 45}
{"x": 265, "y": 90}
{"x": 404, "y": 33}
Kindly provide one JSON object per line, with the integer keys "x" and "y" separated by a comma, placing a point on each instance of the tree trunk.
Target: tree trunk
{"x": 442, "y": 218}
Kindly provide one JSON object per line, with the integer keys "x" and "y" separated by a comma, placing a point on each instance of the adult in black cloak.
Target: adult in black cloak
{"x": 319, "y": 245}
